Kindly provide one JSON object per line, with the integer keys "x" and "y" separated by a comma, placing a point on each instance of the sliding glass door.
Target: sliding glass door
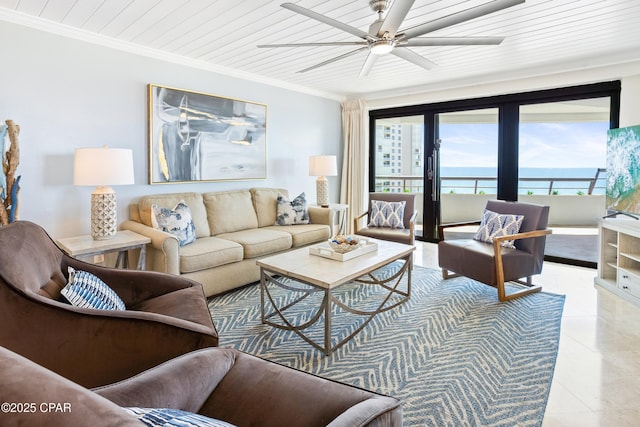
{"x": 468, "y": 165}
{"x": 457, "y": 154}
{"x": 399, "y": 158}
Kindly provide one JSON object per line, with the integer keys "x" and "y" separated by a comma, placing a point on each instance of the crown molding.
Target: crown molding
{"x": 31, "y": 21}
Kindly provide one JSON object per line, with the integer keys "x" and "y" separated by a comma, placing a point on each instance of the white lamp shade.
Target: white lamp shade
{"x": 103, "y": 166}
{"x": 323, "y": 166}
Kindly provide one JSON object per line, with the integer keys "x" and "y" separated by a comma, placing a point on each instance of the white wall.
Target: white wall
{"x": 65, "y": 93}
{"x": 628, "y": 73}
{"x": 630, "y": 102}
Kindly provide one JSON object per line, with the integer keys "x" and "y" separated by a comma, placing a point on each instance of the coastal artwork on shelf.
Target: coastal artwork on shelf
{"x": 197, "y": 137}
{"x": 623, "y": 170}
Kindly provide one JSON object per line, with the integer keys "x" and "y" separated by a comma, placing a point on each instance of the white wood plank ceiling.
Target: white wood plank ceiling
{"x": 541, "y": 36}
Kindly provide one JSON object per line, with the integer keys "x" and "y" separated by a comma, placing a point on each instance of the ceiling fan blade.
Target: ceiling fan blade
{"x": 329, "y": 21}
{"x": 368, "y": 64}
{"x": 453, "y": 41}
{"x": 362, "y": 43}
{"x": 456, "y": 18}
{"x": 337, "y": 58}
{"x": 413, "y": 57}
{"x": 395, "y": 16}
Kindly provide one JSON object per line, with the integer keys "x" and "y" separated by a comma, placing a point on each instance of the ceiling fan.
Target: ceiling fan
{"x": 384, "y": 37}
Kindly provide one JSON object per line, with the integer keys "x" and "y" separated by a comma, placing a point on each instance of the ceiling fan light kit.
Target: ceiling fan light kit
{"x": 384, "y": 36}
{"x": 382, "y": 47}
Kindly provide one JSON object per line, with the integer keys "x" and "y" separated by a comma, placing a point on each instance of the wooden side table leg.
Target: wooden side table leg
{"x": 122, "y": 261}
{"x": 142, "y": 259}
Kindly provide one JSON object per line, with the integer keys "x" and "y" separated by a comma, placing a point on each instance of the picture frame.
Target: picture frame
{"x": 199, "y": 137}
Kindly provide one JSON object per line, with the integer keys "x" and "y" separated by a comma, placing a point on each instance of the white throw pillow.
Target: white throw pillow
{"x": 290, "y": 212}
{"x": 496, "y": 225}
{"x": 177, "y": 221}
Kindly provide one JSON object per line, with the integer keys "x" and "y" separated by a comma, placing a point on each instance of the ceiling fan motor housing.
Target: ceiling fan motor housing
{"x": 379, "y": 6}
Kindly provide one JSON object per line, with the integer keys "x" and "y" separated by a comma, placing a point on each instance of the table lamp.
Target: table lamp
{"x": 103, "y": 167}
{"x": 322, "y": 167}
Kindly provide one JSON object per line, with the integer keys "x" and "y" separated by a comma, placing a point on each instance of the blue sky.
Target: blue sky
{"x": 544, "y": 145}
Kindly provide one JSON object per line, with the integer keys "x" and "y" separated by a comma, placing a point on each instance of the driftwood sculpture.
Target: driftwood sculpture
{"x": 11, "y": 184}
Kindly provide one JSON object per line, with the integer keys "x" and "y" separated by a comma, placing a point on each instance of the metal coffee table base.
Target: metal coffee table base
{"x": 266, "y": 297}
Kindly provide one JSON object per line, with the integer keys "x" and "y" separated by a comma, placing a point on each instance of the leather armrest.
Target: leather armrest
{"x": 185, "y": 382}
{"x": 133, "y": 286}
{"x": 258, "y": 392}
{"x": 26, "y": 383}
{"x": 442, "y": 227}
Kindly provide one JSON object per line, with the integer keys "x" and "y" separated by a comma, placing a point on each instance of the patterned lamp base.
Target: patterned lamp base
{"x": 103, "y": 213}
{"x": 322, "y": 191}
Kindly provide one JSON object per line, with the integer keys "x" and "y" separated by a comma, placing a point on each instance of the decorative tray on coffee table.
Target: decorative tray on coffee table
{"x": 324, "y": 250}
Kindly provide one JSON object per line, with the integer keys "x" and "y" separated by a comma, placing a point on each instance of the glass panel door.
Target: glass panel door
{"x": 468, "y": 163}
{"x": 561, "y": 164}
{"x": 399, "y": 158}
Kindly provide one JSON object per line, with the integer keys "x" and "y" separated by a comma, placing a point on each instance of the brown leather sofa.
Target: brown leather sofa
{"x": 224, "y": 384}
{"x": 166, "y": 315}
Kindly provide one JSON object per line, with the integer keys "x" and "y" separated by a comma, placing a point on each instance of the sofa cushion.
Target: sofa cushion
{"x": 259, "y": 241}
{"x": 209, "y": 252}
{"x": 230, "y": 211}
{"x": 304, "y": 234}
{"x": 193, "y": 200}
{"x": 265, "y": 204}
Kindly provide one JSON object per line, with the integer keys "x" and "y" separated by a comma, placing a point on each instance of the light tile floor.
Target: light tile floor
{"x": 597, "y": 376}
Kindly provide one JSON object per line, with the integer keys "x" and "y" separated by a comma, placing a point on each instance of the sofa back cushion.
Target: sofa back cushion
{"x": 229, "y": 211}
{"x": 169, "y": 201}
{"x": 265, "y": 204}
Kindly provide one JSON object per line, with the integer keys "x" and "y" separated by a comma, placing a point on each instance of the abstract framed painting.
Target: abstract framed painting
{"x": 195, "y": 137}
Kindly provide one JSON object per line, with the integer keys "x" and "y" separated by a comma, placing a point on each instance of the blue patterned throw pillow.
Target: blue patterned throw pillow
{"x": 177, "y": 221}
{"x": 387, "y": 214}
{"x": 165, "y": 417}
{"x": 87, "y": 291}
{"x": 495, "y": 225}
{"x": 290, "y": 212}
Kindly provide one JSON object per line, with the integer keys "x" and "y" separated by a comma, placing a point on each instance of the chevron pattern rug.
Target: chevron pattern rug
{"x": 452, "y": 354}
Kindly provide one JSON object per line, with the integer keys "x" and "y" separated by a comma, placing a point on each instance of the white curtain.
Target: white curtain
{"x": 354, "y": 186}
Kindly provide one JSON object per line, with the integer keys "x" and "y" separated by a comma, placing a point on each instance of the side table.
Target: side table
{"x": 122, "y": 242}
{"x": 341, "y": 211}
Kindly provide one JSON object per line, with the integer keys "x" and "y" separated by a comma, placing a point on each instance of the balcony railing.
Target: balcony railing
{"x": 484, "y": 184}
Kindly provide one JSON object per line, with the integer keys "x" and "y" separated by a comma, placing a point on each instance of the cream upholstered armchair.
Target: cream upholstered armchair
{"x": 508, "y": 258}
{"x": 391, "y": 216}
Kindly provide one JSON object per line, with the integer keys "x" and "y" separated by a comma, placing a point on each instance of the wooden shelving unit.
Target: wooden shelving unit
{"x": 619, "y": 258}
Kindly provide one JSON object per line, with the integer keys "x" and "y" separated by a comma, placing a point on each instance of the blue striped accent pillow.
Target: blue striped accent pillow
{"x": 494, "y": 224}
{"x": 87, "y": 291}
{"x": 387, "y": 214}
{"x": 165, "y": 417}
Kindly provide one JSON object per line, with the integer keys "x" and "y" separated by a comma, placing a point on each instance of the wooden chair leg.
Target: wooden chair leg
{"x": 446, "y": 274}
{"x": 502, "y": 292}
{"x": 530, "y": 289}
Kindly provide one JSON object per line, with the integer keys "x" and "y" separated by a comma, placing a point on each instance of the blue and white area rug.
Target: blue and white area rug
{"x": 453, "y": 354}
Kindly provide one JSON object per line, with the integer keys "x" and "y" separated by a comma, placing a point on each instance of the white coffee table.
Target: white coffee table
{"x": 324, "y": 275}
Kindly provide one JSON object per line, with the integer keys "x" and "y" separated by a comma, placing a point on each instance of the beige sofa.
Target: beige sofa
{"x": 233, "y": 229}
